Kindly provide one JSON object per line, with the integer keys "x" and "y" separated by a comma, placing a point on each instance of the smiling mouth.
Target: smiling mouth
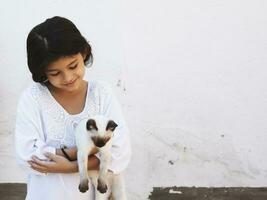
{"x": 70, "y": 83}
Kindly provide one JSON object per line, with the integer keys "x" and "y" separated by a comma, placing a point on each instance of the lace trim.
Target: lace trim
{"x": 58, "y": 125}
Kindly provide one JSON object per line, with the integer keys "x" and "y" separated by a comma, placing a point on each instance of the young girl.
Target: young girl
{"x": 51, "y": 107}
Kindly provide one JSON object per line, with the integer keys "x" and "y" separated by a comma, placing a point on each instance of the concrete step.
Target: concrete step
{"x": 204, "y": 193}
{"x": 12, "y": 191}
{"x": 17, "y": 191}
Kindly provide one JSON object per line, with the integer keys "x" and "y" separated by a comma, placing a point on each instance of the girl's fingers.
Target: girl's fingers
{"x": 38, "y": 170}
{"x": 57, "y": 163}
{"x": 37, "y": 167}
{"x": 40, "y": 162}
{"x": 51, "y": 156}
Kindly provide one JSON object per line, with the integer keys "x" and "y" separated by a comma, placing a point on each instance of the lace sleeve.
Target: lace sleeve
{"x": 121, "y": 147}
{"x": 29, "y": 138}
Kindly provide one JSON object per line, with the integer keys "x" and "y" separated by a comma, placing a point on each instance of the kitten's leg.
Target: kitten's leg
{"x": 82, "y": 158}
{"x": 102, "y": 179}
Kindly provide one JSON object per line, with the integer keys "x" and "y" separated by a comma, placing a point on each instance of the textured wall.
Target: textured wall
{"x": 190, "y": 76}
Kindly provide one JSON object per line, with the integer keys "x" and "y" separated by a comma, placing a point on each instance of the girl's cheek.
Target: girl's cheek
{"x": 53, "y": 81}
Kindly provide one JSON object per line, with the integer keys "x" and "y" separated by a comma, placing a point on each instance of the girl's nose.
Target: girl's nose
{"x": 68, "y": 78}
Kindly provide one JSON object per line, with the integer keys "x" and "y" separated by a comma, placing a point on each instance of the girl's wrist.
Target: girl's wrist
{"x": 74, "y": 166}
{"x": 71, "y": 152}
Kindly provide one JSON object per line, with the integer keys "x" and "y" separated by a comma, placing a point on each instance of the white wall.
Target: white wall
{"x": 193, "y": 84}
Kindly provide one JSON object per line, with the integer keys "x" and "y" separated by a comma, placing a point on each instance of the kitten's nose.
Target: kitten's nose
{"x": 100, "y": 143}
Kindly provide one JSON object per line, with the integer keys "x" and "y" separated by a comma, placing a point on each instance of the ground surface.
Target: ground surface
{"x": 18, "y": 191}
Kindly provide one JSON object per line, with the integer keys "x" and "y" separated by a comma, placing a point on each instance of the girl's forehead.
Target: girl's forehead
{"x": 63, "y": 62}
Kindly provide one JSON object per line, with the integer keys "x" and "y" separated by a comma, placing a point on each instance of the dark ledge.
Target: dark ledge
{"x": 17, "y": 191}
{"x": 12, "y": 191}
{"x": 204, "y": 193}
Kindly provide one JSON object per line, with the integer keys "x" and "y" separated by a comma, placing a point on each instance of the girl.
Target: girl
{"x": 50, "y": 108}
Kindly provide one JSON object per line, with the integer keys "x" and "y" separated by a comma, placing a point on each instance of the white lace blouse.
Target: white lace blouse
{"x": 42, "y": 125}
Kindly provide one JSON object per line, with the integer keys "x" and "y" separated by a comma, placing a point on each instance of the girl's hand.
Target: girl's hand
{"x": 58, "y": 164}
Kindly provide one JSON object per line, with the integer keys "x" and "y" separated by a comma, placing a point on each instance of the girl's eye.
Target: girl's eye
{"x": 73, "y": 67}
{"x": 55, "y": 74}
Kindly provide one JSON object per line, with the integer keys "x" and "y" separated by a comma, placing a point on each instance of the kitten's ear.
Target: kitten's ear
{"x": 111, "y": 125}
{"x": 91, "y": 124}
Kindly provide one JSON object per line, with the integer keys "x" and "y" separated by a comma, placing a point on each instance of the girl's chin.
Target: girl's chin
{"x": 74, "y": 86}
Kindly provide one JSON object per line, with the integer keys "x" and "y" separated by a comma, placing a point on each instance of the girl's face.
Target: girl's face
{"x": 66, "y": 73}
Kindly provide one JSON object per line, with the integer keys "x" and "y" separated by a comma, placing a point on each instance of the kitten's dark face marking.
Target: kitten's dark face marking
{"x": 91, "y": 124}
{"x": 111, "y": 125}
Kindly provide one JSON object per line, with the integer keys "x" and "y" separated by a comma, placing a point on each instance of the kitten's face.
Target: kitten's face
{"x": 100, "y": 130}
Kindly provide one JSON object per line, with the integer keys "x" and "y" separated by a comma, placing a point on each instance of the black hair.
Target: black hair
{"x": 56, "y": 37}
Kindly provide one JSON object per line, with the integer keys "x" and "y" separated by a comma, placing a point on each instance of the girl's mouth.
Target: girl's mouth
{"x": 70, "y": 83}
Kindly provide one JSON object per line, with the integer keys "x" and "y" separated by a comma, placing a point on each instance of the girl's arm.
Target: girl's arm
{"x": 72, "y": 153}
{"x": 60, "y": 164}
{"x": 93, "y": 164}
